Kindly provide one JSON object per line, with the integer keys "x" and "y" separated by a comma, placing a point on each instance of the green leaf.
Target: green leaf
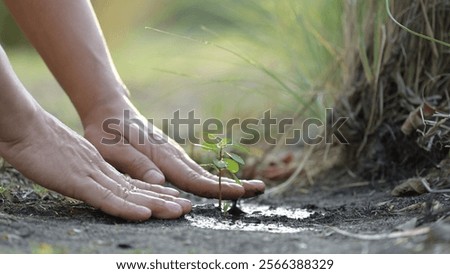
{"x": 231, "y": 165}
{"x": 236, "y": 179}
{"x": 236, "y": 157}
{"x": 211, "y": 138}
{"x": 220, "y": 164}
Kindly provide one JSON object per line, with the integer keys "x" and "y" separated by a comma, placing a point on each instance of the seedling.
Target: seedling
{"x": 225, "y": 161}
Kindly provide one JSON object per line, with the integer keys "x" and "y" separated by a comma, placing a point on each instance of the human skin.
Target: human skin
{"x": 67, "y": 36}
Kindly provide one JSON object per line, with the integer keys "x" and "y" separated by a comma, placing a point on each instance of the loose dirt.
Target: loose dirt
{"x": 353, "y": 217}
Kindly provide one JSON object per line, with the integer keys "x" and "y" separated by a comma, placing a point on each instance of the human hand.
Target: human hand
{"x": 56, "y": 157}
{"x": 145, "y": 153}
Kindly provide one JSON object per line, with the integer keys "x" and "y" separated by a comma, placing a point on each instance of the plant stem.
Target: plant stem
{"x": 220, "y": 189}
{"x": 220, "y": 179}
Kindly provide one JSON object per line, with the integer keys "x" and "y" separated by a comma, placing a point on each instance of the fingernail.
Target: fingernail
{"x": 257, "y": 184}
{"x": 175, "y": 208}
{"x": 253, "y": 188}
{"x": 154, "y": 177}
{"x": 185, "y": 204}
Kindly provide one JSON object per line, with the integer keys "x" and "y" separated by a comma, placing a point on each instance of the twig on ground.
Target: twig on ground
{"x": 290, "y": 181}
{"x": 431, "y": 190}
{"x": 384, "y": 236}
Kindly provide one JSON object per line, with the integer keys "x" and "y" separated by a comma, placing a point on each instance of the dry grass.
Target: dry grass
{"x": 396, "y": 87}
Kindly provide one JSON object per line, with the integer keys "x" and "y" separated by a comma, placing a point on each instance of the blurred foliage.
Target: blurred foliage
{"x": 10, "y": 35}
{"x": 296, "y": 45}
{"x": 286, "y": 51}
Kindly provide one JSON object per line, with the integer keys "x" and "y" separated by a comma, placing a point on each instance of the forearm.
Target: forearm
{"x": 15, "y": 102}
{"x": 67, "y": 36}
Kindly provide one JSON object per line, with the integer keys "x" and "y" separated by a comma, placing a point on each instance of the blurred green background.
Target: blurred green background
{"x": 266, "y": 54}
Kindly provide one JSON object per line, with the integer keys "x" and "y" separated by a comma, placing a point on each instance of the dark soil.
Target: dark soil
{"x": 33, "y": 220}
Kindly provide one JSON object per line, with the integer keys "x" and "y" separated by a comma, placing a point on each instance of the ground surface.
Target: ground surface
{"x": 350, "y": 218}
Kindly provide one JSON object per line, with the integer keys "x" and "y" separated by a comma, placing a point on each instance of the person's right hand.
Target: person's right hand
{"x": 149, "y": 155}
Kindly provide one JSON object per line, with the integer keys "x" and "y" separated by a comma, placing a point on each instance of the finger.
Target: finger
{"x": 178, "y": 172}
{"x": 160, "y": 208}
{"x": 185, "y": 204}
{"x": 136, "y": 163}
{"x": 104, "y": 199}
{"x": 155, "y": 188}
{"x": 168, "y": 194}
{"x": 127, "y": 159}
{"x": 191, "y": 181}
{"x": 252, "y": 187}
{"x": 117, "y": 176}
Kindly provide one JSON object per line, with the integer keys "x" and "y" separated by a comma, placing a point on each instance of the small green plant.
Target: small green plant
{"x": 224, "y": 161}
{"x": 2, "y": 190}
{"x": 5, "y": 193}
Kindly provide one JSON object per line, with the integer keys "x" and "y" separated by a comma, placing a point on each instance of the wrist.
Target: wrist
{"x": 17, "y": 125}
{"x": 110, "y": 106}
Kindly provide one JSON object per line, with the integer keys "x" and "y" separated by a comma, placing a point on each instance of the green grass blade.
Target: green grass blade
{"x": 252, "y": 62}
